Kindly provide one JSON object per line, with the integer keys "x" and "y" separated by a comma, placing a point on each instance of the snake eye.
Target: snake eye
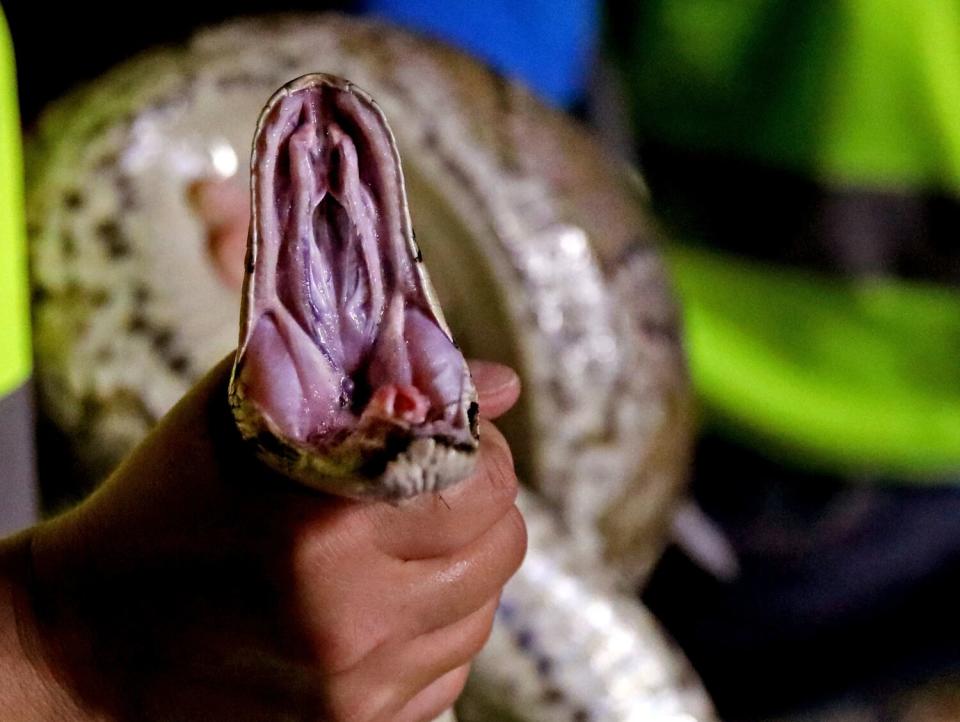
{"x": 344, "y": 353}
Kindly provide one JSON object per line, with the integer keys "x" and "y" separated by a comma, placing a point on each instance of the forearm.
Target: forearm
{"x": 28, "y": 686}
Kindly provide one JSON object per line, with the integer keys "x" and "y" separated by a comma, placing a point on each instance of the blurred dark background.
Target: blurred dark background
{"x": 846, "y": 595}
{"x": 80, "y": 41}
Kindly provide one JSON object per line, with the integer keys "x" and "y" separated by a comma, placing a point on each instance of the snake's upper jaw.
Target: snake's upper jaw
{"x": 346, "y": 375}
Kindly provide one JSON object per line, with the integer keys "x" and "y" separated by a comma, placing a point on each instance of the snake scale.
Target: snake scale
{"x": 543, "y": 257}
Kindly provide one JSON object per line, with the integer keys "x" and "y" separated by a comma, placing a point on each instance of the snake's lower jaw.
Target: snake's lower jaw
{"x": 346, "y": 376}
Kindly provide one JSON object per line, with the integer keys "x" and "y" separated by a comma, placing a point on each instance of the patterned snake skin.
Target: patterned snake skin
{"x": 542, "y": 255}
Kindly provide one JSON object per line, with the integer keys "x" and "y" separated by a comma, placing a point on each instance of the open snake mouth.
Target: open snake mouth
{"x": 344, "y": 353}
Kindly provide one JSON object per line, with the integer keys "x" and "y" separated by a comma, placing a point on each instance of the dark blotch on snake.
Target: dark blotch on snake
{"x": 110, "y": 235}
{"x": 39, "y": 294}
{"x": 99, "y": 297}
{"x": 552, "y": 695}
{"x": 271, "y": 444}
{"x": 137, "y": 323}
{"x": 544, "y": 666}
{"x": 162, "y": 339}
{"x": 178, "y": 364}
{"x": 141, "y": 294}
{"x": 73, "y": 199}
{"x": 69, "y": 244}
{"x": 376, "y": 463}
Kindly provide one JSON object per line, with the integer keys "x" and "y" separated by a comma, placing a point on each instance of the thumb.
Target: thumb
{"x": 178, "y": 479}
{"x": 498, "y": 387}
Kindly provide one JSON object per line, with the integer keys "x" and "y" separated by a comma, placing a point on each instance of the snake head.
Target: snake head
{"x": 346, "y": 377}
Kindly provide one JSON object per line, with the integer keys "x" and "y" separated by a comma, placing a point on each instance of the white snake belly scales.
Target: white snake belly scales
{"x": 542, "y": 255}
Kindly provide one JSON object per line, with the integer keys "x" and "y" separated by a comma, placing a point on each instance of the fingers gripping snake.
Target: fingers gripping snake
{"x": 543, "y": 258}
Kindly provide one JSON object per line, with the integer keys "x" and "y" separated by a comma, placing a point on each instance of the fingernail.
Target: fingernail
{"x": 491, "y": 377}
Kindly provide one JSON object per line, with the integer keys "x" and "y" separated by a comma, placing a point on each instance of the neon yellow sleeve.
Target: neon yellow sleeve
{"x": 830, "y": 372}
{"x": 15, "y": 358}
{"x": 851, "y": 92}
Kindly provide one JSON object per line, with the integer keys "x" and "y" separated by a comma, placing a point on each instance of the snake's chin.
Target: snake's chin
{"x": 346, "y": 371}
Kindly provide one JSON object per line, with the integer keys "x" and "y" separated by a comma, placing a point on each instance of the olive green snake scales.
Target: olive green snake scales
{"x": 543, "y": 257}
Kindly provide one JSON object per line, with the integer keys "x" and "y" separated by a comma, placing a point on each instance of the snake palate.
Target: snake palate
{"x": 346, "y": 377}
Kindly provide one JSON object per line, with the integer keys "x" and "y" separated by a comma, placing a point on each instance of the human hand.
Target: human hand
{"x": 197, "y": 585}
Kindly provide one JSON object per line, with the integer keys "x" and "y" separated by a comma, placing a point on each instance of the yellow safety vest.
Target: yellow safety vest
{"x": 15, "y": 357}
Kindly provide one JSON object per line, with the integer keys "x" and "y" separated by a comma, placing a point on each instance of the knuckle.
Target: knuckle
{"x": 480, "y": 631}
{"x": 330, "y": 631}
{"x": 445, "y": 691}
{"x": 456, "y": 681}
{"x": 341, "y": 641}
{"x": 332, "y": 651}
{"x": 518, "y": 528}
{"x": 350, "y": 705}
{"x": 511, "y": 541}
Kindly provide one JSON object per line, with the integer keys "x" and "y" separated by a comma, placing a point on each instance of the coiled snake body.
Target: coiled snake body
{"x": 542, "y": 256}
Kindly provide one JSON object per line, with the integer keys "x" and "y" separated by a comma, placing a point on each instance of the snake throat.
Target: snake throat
{"x": 346, "y": 374}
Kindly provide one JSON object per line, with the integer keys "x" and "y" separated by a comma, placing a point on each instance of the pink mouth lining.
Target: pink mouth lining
{"x": 341, "y": 334}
